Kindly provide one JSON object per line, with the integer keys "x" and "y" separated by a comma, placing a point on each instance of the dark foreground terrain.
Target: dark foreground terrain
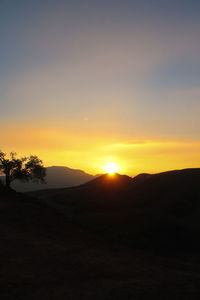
{"x": 46, "y": 254}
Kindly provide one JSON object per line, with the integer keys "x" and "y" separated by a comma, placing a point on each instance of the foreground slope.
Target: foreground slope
{"x": 44, "y": 256}
{"x": 156, "y": 211}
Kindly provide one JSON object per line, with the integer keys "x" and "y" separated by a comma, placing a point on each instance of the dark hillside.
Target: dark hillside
{"x": 110, "y": 182}
{"x": 140, "y": 178}
{"x": 160, "y": 211}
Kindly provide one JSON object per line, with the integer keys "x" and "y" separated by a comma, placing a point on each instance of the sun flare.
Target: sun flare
{"x": 111, "y": 168}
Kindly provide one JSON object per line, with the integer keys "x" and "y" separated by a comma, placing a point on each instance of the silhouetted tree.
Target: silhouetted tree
{"x": 25, "y": 168}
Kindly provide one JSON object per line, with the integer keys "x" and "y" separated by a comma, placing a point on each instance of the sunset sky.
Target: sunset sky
{"x": 86, "y": 83}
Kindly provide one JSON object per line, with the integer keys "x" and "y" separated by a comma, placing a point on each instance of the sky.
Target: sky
{"x": 86, "y": 83}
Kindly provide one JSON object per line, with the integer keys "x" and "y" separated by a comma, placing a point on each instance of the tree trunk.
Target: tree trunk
{"x": 8, "y": 180}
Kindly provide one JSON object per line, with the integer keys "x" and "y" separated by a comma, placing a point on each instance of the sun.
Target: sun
{"x": 111, "y": 168}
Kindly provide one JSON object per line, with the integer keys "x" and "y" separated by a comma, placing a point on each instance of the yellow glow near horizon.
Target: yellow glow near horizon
{"x": 111, "y": 168}
{"x": 93, "y": 153}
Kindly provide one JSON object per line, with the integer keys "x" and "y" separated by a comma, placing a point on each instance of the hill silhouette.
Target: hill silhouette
{"x": 109, "y": 182}
{"x": 141, "y": 178}
{"x": 156, "y": 211}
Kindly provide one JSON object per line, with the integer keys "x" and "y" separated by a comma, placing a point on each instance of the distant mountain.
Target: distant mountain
{"x": 57, "y": 177}
{"x": 157, "y": 211}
